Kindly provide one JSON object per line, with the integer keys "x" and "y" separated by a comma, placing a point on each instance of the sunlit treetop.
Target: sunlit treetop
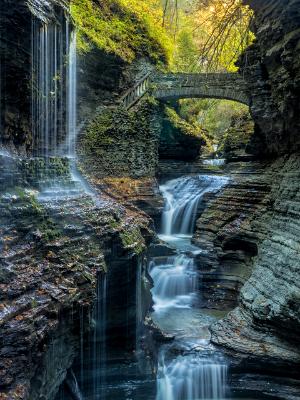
{"x": 222, "y": 32}
{"x": 209, "y": 34}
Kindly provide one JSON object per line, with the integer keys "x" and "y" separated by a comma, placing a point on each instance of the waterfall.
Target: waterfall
{"x": 54, "y": 85}
{"x": 215, "y": 162}
{"x": 191, "y": 377}
{"x": 139, "y": 307}
{"x": 47, "y": 81}
{"x": 72, "y": 384}
{"x": 183, "y": 373}
{"x": 72, "y": 97}
{"x": 182, "y": 197}
{"x": 98, "y": 340}
{"x": 175, "y": 282}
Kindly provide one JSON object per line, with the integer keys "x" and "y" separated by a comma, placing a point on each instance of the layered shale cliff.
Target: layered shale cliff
{"x": 54, "y": 249}
{"x": 271, "y": 68}
{"x": 251, "y": 231}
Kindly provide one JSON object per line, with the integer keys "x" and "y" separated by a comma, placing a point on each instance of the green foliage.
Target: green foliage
{"x": 215, "y": 116}
{"x": 132, "y": 239}
{"x": 186, "y": 53}
{"x": 122, "y": 27}
{"x": 189, "y": 128}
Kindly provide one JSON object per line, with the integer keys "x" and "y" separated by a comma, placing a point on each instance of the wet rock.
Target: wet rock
{"x": 271, "y": 68}
{"x": 250, "y": 233}
{"x": 52, "y": 252}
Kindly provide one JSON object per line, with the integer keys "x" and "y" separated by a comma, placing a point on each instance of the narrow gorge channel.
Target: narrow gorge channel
{"x": 199, "y": 371}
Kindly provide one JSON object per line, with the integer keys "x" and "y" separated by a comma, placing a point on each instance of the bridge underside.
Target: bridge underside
{"x": 192, "y": 93}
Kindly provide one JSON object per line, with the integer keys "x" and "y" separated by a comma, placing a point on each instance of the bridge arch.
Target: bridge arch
{"x": 229, "y": 86}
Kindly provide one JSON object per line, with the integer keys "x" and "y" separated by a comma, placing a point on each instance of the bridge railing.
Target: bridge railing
{"x": 135, "y": 93}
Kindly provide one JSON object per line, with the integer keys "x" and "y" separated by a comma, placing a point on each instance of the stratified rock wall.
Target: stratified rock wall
{"x": 121, "y": 143}
{"x": 254, "y": 226}
{"x": 271, "y": 68}
{"x": 257, "y": 230}
{"x": 52, "y": 249}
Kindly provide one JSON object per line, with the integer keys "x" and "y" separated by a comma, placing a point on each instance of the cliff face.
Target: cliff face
{"x": 121, "y": 143}
{"x": 52, "y": 253}
{"x": 16, "y": 66}
{"x": 266, "y": 322}
{"x": 252, "y": 230}
{"x": 271, "y": 67}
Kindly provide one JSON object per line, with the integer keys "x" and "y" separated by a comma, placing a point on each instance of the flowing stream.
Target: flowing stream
{"x": 189, "y": 368}
{"x": 182, "y": 197}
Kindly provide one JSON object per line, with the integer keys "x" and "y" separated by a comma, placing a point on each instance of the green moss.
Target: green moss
{"x": 114, "y": 126}
{"x": 33, "y": 216}
{"x": 187, "y": 128}
{"x": 132, "y": 239}
{"x": 121, "y": 27}
{"x": 237, "y": 136}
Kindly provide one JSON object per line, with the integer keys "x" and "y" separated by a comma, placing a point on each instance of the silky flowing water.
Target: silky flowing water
{"x": 188, "y": 368}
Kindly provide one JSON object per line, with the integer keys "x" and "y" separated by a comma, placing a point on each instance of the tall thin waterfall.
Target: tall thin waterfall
{"x": 47, "y": 86}
{"x": 54, "y": 87}
{"x": 72, "y": 97}
{"x": 182, "y": 197}
{"x": 98, "y": 348}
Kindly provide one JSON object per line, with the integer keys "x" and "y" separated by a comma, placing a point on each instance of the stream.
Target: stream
{"x": 187, "y": 367}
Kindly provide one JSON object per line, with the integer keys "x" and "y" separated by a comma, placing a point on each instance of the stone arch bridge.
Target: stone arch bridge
{"x": 229, "y": 86}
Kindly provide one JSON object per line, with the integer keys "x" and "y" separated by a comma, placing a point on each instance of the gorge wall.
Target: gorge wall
{"x": 51, "y": 254}
{"x": 271, "y": 69}
{"x": 252, "y": 229}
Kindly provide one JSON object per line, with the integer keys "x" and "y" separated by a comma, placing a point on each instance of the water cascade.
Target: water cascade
{"x": 72, "y": 97}
{"x": 215, "y": 162}
{"x": 175, "y": 282}
{"x": 191, "y": 377}
{"x": 98, "y": 341}
{"x": 48, "y": 79}
{"x": 54, "y": 85}
{"x": 183, "y": 372}
{"x": 182, "y": 197}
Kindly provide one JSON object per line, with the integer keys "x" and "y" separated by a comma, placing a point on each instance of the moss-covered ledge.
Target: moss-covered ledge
{"x": 121, "y": 143}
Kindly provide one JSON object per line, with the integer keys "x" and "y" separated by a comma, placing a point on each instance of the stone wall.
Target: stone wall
{"x": 121, "y": 143}
{"x": 34, "y": 173}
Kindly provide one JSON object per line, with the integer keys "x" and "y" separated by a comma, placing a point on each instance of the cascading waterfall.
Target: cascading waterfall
{"x": 54, "y": 86}
{"x": 182, "y": 197}
{"x": 175, "y": 282}
{"x": 191, "y": 375}
{"x": 72, "y": 97}
{"x": 47, "y": 86}
{"x": 215, "y": 162}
